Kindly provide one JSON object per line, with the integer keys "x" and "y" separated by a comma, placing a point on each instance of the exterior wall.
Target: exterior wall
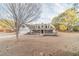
{"x": 41, "y": 28}
{"x": 44, "y": 29}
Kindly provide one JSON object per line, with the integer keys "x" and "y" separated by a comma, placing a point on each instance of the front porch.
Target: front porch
{"x": 42, "y": 29}
{"x": 43, "y": 32}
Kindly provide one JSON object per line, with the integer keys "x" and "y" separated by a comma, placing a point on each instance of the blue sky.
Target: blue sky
{"x": 49, "y": 10}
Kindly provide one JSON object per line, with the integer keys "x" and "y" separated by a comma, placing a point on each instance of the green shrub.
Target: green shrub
{"x": 76, "y": 28}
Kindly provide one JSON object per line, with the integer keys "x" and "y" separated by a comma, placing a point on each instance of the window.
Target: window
{"x": 45, "y": 26}
{"x": 42, "y": 26}
{"x": 48, "y": 26}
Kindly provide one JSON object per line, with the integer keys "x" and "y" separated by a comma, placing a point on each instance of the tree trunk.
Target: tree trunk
{"x": 17, "y": 35}
{"x": 17, "y": 30}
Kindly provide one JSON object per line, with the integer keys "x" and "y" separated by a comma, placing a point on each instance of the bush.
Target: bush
{"x": 76, "y": 28}
{"x": 62, "y": 27}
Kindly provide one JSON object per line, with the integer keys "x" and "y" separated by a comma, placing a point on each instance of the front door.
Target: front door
{"x": 42, "y": 31}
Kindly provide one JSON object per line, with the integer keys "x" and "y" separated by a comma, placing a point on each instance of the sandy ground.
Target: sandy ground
{"x": 37, "y": 45}
{"x": 3, "y": 36}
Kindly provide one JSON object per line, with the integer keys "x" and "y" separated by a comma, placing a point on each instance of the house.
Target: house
{"x": 42, "y": 29}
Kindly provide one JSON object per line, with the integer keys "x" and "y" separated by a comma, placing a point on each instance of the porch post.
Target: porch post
{"x": 40, "y": 29}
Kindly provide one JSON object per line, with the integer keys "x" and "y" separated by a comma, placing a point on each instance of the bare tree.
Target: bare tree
{"x": 23, "y": 13}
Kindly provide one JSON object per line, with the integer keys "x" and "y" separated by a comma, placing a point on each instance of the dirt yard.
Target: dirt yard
{"x": 38, "y": 45}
